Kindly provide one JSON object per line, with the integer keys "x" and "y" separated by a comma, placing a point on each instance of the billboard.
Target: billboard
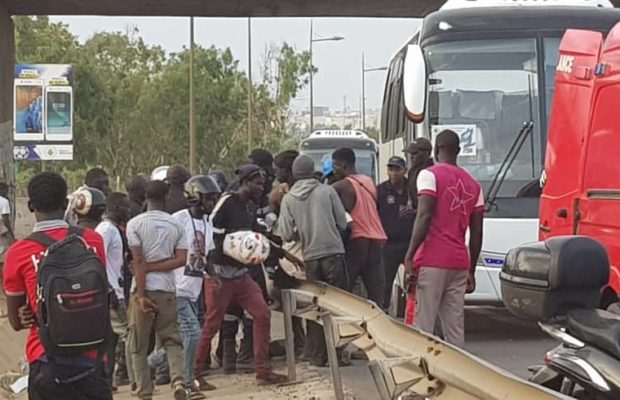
{"x": 43, "y": 119}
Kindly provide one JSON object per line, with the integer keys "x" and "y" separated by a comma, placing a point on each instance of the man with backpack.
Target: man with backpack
{"x": 57, "y": 288}
{"x": 159, "y": 246}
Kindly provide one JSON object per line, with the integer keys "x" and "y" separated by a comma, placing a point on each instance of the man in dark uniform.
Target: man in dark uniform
{"x": 396, "y": 213}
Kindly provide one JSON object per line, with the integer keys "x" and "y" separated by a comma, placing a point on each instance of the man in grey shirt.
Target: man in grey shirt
{"x": 159, "y": 246}
{"x": 313, "y": 213}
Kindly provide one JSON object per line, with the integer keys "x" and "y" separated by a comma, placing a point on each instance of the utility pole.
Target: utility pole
{"x": 311, "y": 77}
{"x": 249, "y": 85}
{"x": 192, "y": 103}
{"x": 364, "y": 70}
{"x": 312, "y": 40}
{"x": 363, "y": 94}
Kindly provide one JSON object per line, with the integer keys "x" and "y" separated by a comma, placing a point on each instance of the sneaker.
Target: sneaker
{"x": 196, "y": 395}
{"x": 270, "y": 378}
{"x": 202, "y": 385}
{"x": 179, "y": 391}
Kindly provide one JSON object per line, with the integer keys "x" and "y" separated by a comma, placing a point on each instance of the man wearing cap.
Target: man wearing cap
{"x": 419, "y": 152}
{"x": 396, "y": 213}
{"x": 264, "y": 159}
{"x": 235, "y": 212}
{"x": 313, "y": 213}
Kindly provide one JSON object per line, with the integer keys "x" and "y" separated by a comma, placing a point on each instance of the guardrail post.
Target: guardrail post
{"x": 289, "y": 304}
{"x": 332, "y": 355}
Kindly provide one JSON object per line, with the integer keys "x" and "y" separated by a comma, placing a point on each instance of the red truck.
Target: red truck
{"x": 581, "y": 180}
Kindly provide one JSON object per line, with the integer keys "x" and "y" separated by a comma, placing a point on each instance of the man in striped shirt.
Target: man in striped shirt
{"x": 158, "y": 245}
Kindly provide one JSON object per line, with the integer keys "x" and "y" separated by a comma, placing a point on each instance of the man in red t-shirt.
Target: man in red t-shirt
{"x": 450, "y": 201}
{"x": 47, "y": 193}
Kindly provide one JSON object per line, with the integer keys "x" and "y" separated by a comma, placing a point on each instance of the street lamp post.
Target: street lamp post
{"x": 192, "y": 102}
{"x": 364, "y": 70}
{"x": 313, "y": 40}
{"x": 250, "y": 88}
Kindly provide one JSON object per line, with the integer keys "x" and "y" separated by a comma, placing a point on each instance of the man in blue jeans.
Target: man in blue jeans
{"x": 202, "y": 192}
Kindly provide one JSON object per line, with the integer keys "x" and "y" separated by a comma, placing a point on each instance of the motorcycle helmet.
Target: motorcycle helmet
{"x": 247, "y": 247}
{"x": 200, "y": 185}
{"x": 160, "y": 173}
{"x": 88, "y": 201}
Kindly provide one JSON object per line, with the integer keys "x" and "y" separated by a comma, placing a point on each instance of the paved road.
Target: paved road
{"x": 491, "y": 333}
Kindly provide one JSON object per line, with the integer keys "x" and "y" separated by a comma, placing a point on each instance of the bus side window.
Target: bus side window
{"x": 400, "y": 108}
{"x": 386, "y": 124}
{"x": 396, "y": 98}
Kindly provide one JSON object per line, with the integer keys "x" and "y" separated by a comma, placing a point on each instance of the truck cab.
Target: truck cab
{"x": 581, "y": 178}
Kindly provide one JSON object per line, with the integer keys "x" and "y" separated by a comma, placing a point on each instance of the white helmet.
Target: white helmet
{"x": 247, "y": 247}
{"x": 160, "y": 173}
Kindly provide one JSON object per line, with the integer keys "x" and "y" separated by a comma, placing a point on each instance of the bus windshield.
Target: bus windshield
{"x": 485, "y": 90}
{"x": 366, "y": 160}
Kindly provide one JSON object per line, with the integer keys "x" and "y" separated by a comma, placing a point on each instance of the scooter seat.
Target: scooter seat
{"x": 598, "y": 328}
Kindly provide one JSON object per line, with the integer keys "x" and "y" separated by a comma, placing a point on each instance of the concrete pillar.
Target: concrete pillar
{"x": 7, "y": 67}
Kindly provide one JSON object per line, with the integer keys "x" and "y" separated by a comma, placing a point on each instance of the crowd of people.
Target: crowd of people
{"x": 173, "y": 284}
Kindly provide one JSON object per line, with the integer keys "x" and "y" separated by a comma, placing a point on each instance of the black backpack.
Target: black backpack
{"x": 73, "y": 312}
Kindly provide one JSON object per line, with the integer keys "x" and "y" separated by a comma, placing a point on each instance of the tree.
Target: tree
{"x": 131, "y": 99}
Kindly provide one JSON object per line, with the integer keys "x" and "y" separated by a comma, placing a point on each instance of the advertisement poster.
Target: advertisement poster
{"x": 28, "y": 109}
{"x": 58, "y": 113}
{"x": 43, "y": 120}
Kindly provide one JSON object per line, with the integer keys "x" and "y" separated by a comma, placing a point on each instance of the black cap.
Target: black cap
{"x": 246, "y": 171}
{"x": 261, "y": 157}
{"x": 422, "y": 144}
{"x": 396, "y": 161}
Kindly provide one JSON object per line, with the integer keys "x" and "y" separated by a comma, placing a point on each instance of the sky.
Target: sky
{"x": 339, "y": 63}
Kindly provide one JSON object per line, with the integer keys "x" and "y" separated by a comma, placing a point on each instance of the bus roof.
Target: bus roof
{"x": 560, "y": 18}
{"x": 485, "y": 15}
{"x": 338, "y": 138}
{"x": 452, "y": 4}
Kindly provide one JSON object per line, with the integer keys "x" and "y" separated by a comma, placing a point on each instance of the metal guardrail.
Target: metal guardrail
{"x": 401, "y": 358}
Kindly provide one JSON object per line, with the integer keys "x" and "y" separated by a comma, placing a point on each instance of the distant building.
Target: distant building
{"x": 298, "y": 123}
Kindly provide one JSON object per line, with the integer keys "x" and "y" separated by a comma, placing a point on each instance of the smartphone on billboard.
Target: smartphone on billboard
{"x": 28, "y": 106}
{"x": 58, "y": 113}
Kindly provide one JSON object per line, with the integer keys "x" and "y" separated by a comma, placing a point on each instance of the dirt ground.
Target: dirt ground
{"x": 311, "y": 385}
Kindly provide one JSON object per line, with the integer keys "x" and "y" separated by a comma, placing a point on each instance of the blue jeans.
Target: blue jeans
{"x": 189, "y": 328}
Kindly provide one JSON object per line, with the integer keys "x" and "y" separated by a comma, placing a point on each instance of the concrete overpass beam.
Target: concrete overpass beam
{"x": 7, "y": 68}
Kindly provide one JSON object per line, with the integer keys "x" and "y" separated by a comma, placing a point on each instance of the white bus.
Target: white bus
{"x": 485, "y": 69}
{"x": 321, "y": 144}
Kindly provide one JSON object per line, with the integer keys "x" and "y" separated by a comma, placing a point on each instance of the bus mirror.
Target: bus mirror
{"x": 414, "y": 83}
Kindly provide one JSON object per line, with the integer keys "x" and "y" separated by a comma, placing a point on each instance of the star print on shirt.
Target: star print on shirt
{"x": 460, "y": 197}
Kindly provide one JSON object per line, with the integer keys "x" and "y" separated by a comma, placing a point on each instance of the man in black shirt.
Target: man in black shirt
{"x": 230, "y": 282}
{"x": 397, "y": 216}
{"x": 419, "y": 152}
{"x": 176, "y": 177}
{"x": 136, "y": 191}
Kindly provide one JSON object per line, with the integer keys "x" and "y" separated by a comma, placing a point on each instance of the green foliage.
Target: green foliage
{"x": 132, "y": 101}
